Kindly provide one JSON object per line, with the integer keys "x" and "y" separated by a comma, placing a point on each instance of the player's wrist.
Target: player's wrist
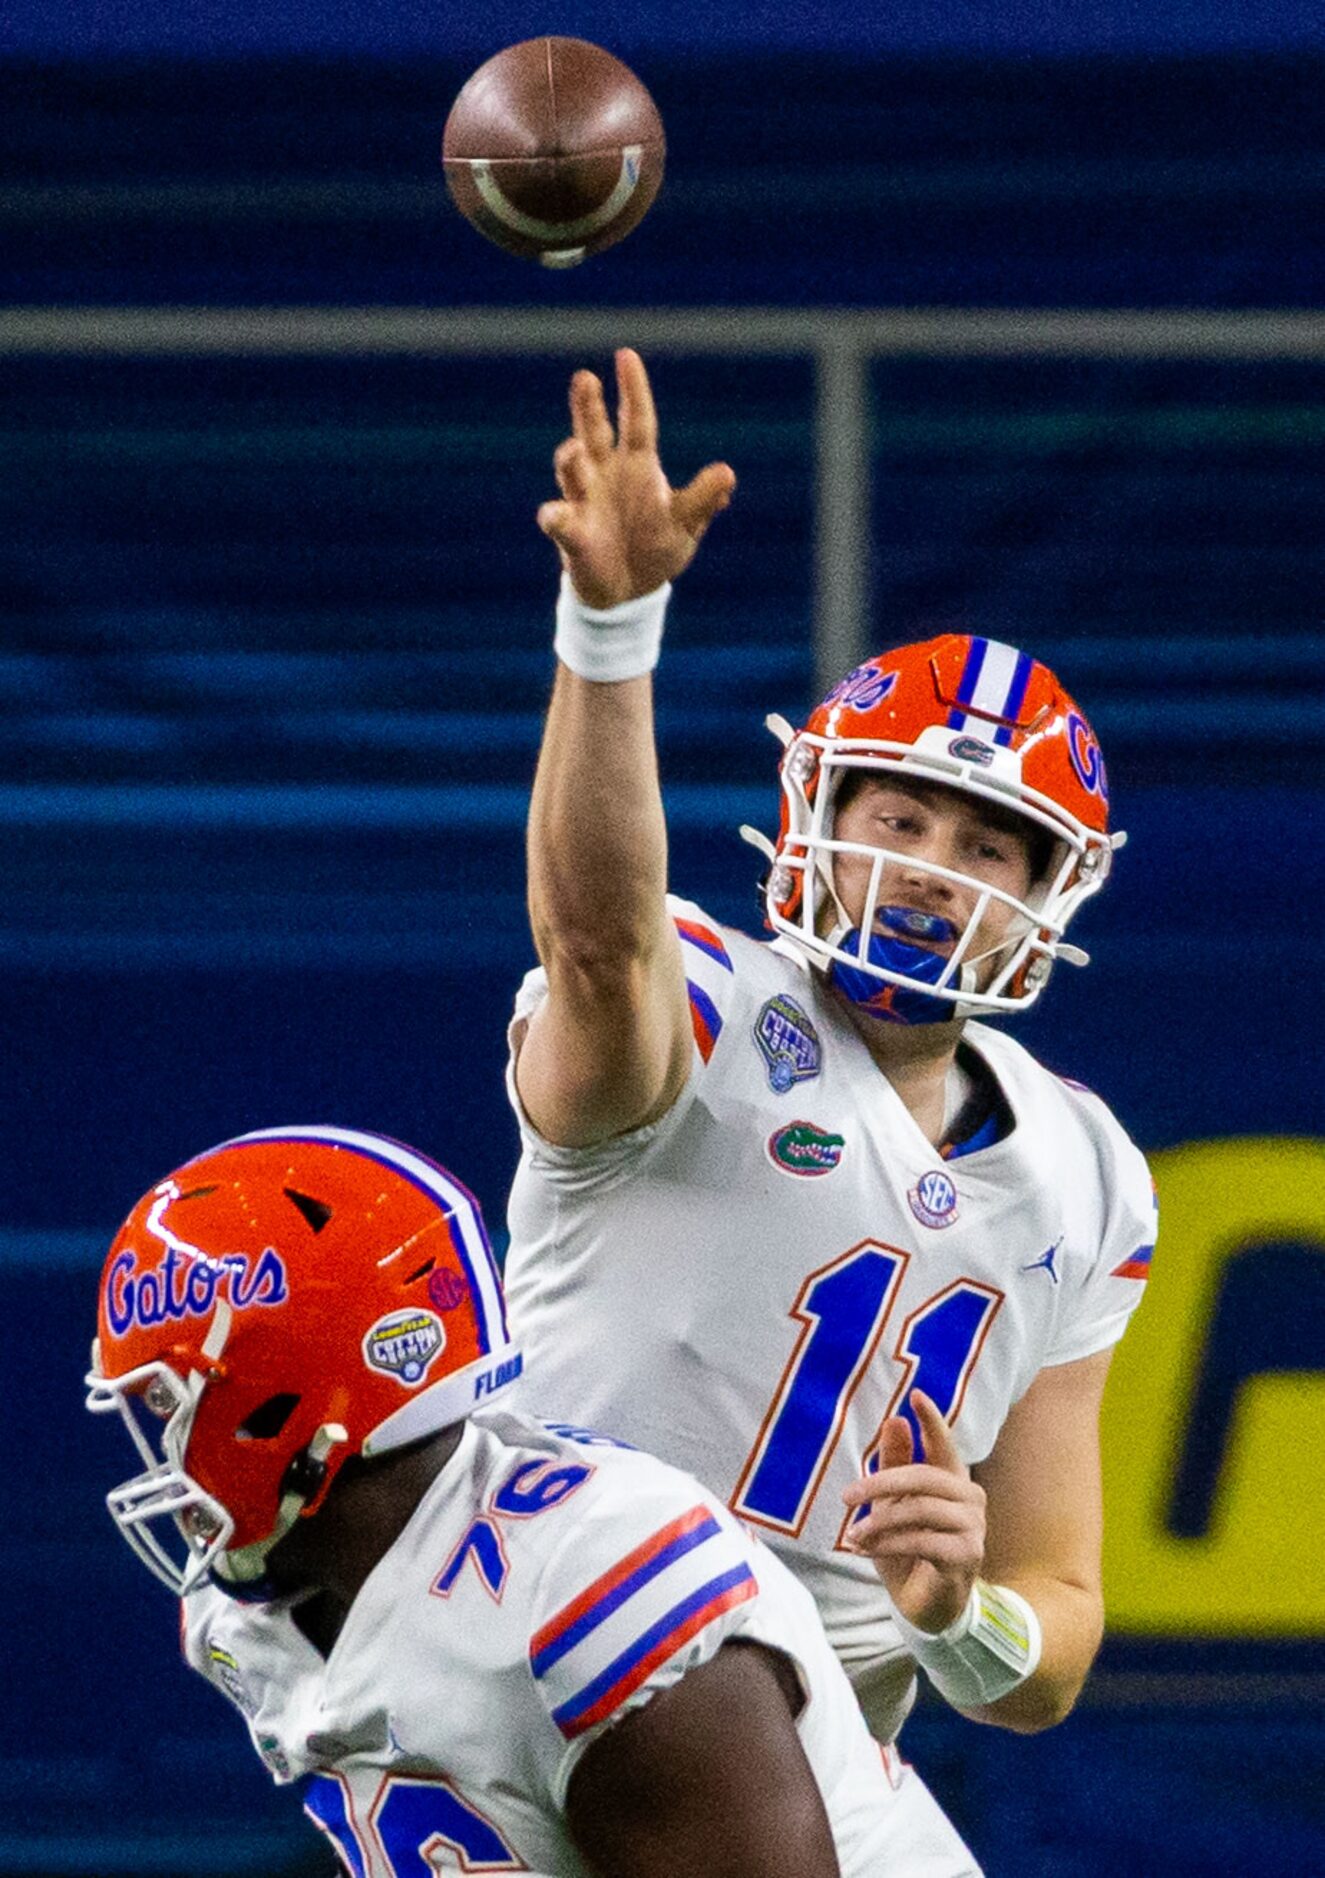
{"x": 609, "y": 644}
{"x": 991, "y": 1648}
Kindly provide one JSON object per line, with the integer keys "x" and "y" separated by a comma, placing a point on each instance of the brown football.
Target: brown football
{"x": 553, "y": 149}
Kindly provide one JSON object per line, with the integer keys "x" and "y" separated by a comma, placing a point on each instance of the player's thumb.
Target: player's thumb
{"x": 557, "y": 521}
{"x": 702, "y": 498}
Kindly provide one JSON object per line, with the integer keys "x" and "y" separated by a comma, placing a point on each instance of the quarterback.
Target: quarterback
{"x": 788, "y": 1213}
{"x": 481, "y": 1642}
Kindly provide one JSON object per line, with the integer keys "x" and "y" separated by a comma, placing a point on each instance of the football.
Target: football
{"x": 554, "y": 150}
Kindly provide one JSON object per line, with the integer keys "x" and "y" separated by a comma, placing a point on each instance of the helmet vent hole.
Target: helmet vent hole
{"x": 195, "y": 1193}
{"x": 316, "y": 1212}
{"x": 268, "y": 1418}
{"x": 422, "y": 1272}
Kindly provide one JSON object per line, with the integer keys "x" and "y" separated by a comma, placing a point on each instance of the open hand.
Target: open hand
{"x": 925, "y": 1529}
{"x": 620, "y": 528}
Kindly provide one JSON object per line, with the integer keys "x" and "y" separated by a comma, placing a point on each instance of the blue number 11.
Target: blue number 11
{"x": 843, "y": 1308}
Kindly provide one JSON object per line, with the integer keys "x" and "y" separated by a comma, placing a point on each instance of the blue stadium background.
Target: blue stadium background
{"x": 275, "y": 650}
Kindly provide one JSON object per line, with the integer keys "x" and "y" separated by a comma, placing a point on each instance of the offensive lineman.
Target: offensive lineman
{"x": 483, "y": 1642}
{"x": 783, "y": 1215}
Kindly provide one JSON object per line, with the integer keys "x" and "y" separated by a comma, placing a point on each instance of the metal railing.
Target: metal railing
{"x": 842, "y": 345}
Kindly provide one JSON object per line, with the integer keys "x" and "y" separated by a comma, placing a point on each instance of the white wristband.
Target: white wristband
{"x": 992, "y": 1647}
{"x": 610, "y": 643}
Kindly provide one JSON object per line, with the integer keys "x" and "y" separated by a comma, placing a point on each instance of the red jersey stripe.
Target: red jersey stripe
{"x": 675, "y": 1640}
{"x": 604, "y": 1586}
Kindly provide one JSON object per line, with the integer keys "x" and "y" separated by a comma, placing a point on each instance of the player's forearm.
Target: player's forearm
{"x": 597, "y": 838}
{"x": 1072, "y": 1625}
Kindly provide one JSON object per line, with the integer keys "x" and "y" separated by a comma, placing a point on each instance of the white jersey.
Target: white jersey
{"x": 749, "y": 1286}
{"x": 543, "y": 1588}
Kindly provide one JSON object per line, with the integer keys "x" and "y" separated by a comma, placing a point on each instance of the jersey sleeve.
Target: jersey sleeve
{"x": 1103, "y": 1290}
{"x": 208, "y": 1659}
{"x": 206, "y": 1652}
{"x": 710, "y": 978}
{"x": 644, "y": 1593}
{"x": 710, "y": 973}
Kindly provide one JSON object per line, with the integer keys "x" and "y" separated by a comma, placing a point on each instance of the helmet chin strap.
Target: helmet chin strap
{"x": 242, "y": 1572}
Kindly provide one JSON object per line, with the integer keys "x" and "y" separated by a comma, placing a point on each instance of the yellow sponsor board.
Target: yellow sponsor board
{"x": 1214, "y": 1417}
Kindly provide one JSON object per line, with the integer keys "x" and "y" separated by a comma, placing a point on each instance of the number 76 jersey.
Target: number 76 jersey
{"x": 752, "y": 1285}
{"x": 546, "y": 1586}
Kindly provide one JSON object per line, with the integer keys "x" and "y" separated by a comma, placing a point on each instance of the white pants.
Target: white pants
{"x": 919, "y": 1840}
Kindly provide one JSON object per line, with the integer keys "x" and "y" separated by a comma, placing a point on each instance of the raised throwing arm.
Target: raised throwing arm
{"x": 609, "y": 1048}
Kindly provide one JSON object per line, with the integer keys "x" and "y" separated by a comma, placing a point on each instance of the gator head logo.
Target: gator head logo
{"x": 972, "y": 750}
{"x": 801, "y": 1148}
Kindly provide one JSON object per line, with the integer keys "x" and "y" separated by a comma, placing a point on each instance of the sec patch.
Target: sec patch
{"x": 933, "y": 1200}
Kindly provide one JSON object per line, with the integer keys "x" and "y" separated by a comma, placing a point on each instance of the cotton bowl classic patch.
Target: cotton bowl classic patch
{"x": 403, "y": 1344}
{"x": 788, "y": 1043}
{"x": 801, "y": 1148}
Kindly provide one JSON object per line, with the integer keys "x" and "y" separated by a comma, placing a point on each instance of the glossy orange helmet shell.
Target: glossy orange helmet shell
{"x": 280, "y": 1302}
{"x": 970, "y": 714}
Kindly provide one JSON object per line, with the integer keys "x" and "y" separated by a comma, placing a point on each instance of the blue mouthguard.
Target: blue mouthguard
{"x": 897, "y": 1004}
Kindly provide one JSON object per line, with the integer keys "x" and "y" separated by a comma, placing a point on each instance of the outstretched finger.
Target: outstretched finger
{"x": 896, "y": 1446}
{"x": 637, "y": 420}
{"x": 703, "y": 498}
{"x": 940, "y": 1448}
{"x": 588, "y": 414}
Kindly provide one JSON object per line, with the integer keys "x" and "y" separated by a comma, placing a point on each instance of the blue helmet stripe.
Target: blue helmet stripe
{"x": 1021, "y": 678}
{"x": 970, "y": 678}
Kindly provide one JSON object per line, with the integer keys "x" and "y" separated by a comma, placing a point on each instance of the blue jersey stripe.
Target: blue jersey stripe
{"x": 707, "y": 1009}
{"x": 643, "y": 1645}
{"x": 703, "y": 941}
{"x": 989, "y": 1131}
{"x": 598, "y": 1613}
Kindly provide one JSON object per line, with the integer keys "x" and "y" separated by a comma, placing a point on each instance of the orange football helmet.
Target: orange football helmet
{"x": 282, "y": 1301}
{"x": 976, "y": 716}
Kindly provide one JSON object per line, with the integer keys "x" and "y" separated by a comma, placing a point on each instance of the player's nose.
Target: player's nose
{"x": 916, "y": 871}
